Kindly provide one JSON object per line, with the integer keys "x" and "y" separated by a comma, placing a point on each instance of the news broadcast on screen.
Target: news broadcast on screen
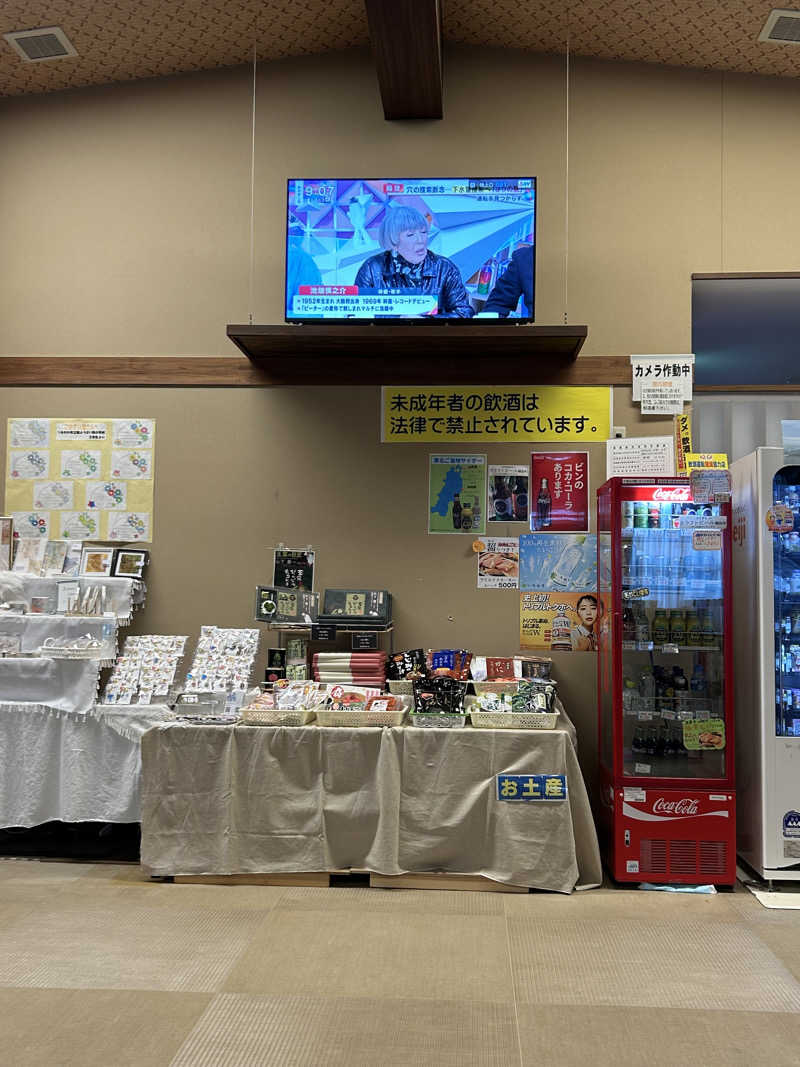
{"x": 427, "y": 248}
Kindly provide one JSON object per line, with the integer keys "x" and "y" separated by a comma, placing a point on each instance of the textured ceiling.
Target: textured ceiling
{"x": 126, "y": 39}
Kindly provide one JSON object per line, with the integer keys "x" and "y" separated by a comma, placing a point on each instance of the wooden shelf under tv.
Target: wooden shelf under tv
{"x": 411, "y": 353}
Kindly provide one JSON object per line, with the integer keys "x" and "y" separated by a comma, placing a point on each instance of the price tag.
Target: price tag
{"x": 364, "y": 641}
{"x": 635, "y": 594}
{"x": 671, "y": 649}
{"x": 645, "y": 716}
{"x": 641, "y": 768}
{"x": 323, "y": 632}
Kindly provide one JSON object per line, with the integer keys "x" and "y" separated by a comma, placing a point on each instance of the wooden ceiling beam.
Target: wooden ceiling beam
{"x": 406, "y": 38}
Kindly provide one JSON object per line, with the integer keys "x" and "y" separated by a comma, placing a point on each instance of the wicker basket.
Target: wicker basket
{"x": 513, "y": 720}
{"x": 276, "y": 716}
{"x": 362, "y": 718}
{"x": 401, "y": 686}
{"x": 438, "y": 721}
{"x": 506, "y": 685}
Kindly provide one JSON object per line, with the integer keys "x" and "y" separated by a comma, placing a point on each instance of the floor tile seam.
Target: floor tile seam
{"x": 498, "y": 1001}
{"x": 514, "y": 999}
{"x": 624, "y": 1005}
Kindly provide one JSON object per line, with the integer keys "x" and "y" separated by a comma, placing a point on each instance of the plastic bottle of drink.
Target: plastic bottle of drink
{"x": 698, "y": 684}
{"x": 694, "y": 632}
{"x": 567, "y": 563}
{"x": 476, "y": 513}
{"x": 677, "y": 627}
{"x": 647, "y": 690}
{"x": 707, "y": 627}
{"x": 642, "y": 622}
{"x": 660, "y": 627}
{"x": 628, "y": 623}
{"x": 456, "y": 511}
{"x": 466, "y": 516}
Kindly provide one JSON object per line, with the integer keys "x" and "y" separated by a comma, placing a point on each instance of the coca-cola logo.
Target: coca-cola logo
{"x": 679, "y": 492}
{"x": 684, "y": 806}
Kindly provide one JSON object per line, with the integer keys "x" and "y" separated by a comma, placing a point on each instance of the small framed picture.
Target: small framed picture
{"x": 130, "y": 562}
{"x": 6, "y": 542}
{"x": 97, "y": 561}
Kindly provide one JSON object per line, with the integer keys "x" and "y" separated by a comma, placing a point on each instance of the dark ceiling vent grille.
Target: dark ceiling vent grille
{"x": 35, "y": 46}
{"x": 781, "y": 27}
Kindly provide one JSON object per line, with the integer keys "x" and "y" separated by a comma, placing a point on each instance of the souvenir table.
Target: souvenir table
{"x": 71, "y": 767}
{"x": 262, "y": 799}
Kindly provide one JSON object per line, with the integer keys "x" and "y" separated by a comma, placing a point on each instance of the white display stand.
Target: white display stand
{"x": 61, "y": 756}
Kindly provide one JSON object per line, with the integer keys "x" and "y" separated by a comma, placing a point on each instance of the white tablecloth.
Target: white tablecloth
{"x": 126, "y": 594}
{"x": 55, "y": 765}
{"x": 61, "y": 684}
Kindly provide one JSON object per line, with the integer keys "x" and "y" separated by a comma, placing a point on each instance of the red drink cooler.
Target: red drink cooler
{"x": 664, "y": 687}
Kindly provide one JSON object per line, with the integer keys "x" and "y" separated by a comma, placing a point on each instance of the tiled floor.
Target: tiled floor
{"x": 100, "y": 966}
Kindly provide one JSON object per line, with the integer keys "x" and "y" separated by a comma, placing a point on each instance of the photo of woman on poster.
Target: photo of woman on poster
{"x": 584, "y": 635}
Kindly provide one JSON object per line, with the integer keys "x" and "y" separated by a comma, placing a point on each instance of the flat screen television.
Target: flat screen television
{"x": 434, "y": 249}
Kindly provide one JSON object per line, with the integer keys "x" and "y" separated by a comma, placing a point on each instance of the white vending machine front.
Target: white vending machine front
{"x": 766, "y": 661}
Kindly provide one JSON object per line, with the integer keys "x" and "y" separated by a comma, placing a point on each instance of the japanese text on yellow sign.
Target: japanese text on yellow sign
{"x": 495, "y": 413}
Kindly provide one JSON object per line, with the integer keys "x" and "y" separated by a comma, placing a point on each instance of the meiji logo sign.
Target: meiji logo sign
{"x": 678, "y": 492}
{"x": 684, "y": 806}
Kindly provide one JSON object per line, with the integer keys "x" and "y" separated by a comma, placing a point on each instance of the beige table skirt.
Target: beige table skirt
{"x": 250, "y": 799}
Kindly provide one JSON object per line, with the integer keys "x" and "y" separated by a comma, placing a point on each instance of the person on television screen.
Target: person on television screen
{"x": 515, "y": 282}
{"x": 301, "y": 270}
{"x": 408, "y": 263}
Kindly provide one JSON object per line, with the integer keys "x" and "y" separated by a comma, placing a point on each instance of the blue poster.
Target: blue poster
{"x": 552, "y": 563}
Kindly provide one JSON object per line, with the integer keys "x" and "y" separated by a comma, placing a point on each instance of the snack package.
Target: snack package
{"x": 410, "y": 664}
{"x": 439, "y": 695}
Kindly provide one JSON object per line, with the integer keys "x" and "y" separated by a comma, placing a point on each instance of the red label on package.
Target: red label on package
{"x": 559, "y": 492}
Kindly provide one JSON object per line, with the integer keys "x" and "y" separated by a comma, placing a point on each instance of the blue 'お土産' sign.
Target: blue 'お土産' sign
{"x": 531, "y": 787}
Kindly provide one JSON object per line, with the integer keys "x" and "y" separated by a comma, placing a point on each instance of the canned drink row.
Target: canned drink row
{"x": 651, "y": 515}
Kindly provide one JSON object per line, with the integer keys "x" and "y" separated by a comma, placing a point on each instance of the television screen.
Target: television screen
{"x": 420, "y": 248}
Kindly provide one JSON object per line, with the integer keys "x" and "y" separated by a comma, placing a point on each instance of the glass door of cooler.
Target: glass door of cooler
{"x": 673, "y": 639}
{"x": 786, "y": 572}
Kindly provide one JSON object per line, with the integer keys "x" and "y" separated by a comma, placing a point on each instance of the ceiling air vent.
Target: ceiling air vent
{"x": 781, "y": 27}
{"x": 35, "y": 46}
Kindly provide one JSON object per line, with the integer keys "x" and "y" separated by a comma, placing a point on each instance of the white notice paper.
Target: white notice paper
{"x": 676, "y": 367}
{"x": 663, "y": 397}
{"x": 631, "y": 457}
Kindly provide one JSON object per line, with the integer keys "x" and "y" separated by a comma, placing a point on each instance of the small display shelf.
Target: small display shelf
{"x": 415, "y": 352}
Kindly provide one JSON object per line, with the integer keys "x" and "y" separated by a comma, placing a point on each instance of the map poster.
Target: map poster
{"x": 457, "y": 494}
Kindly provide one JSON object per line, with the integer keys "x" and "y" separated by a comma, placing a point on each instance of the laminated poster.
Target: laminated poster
{"x": 82, "y": 479}
{"x": 293, "y": 568}
{"x": 553, "y": 562}
{"x": 560, "y": 491}
{"x": 498, "y": 563}
{"x": 560, "y": 622}
{"x": 508, "y": 493}
{"x": 457, "y": 494}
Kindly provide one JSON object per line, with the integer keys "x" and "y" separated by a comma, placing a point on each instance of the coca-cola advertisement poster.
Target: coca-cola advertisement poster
{"x": 559, "y": 492}
{"x": 560, "y": 622}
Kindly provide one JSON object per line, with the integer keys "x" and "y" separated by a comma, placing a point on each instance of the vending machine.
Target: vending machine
{"x": 766, "y": 634}
{"x": 668, "y": 810}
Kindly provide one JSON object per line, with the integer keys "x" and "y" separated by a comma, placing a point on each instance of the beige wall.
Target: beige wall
{"x": 125, "y": 210}
{"x": 125, "y": 221}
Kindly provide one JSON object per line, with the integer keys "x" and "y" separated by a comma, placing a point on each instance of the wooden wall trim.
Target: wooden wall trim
{"x": 239, "y": 372}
